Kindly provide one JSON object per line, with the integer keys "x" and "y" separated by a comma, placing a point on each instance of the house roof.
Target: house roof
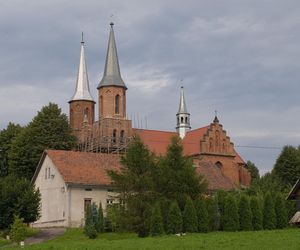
{"x": 215, "y": 177}
{"x": 191, "y": 141}
{"x": 81, "y": 167}
{"x": 293, "y": 193}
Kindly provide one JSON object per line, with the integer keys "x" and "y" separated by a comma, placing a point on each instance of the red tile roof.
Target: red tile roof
{"x": 84, "y": 168}
{"x": 214, "y": 176}
{"x": 191, "y": 141}
{"x": 157, "y": 141}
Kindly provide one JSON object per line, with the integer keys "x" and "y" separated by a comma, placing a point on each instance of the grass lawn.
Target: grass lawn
{"x": 277, "y": 239}
{"x": 3, "y": 242}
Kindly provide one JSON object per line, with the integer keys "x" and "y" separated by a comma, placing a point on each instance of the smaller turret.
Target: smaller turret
{"x": 183, "y": 116}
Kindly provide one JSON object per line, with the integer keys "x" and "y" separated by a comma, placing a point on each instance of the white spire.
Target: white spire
{"x": 183, "y": 117}
{"x": 82, "y": 91}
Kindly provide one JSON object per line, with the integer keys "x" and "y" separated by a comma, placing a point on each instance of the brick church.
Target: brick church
{"x": 71, "y": 180}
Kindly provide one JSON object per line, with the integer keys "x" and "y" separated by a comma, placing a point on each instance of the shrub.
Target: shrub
{"x": 202, "y": 215}
{"x": 231, "y": 218}
{"x": 245, "y": 214}
{"x": 190, "y": 222}
{"x": 257, "y": 215}
{"x": 281, "y": 212}
{"x": 89, "y": 227}
{"x": 156, "y": 223}
{"x": 221, "y": 196}
{"x": 213, "y": 214}
{"x": 174, "y": 219}
{"x": 18, "y": 230}
{"x": 100, "y": 220}
{"x": 269, "y": 220}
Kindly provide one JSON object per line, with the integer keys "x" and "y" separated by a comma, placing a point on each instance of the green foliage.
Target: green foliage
{"x": 156, "y": 224}
{"x": 176, "y": 177}
{"x": 253, "y": 171}
{"x": 6, "y": 138}
{"x": 269, "y": 219}
{"x": 49, "y": 129}
{"x": 281, "y": 212}
{"x": 231, "y": 217}
{"x": 174, "y": 219}
{"x": 100, "y": 220}
{"x": 18, "y": 196}
{"x": 287, "y": 166}
{"x": 18, "y": 230}
{"x": 213, "y": 213}
{"x": 202, "y": 215}
{"x": 257, "y": 215}
{"x": 135, "y": 185}
{"x": 221, "y": 196}
{"x": 245, "y": 214}
{"x": 190, "y": 221}
{"x": 90, "y": 222}
{"x": 116, "y": 218}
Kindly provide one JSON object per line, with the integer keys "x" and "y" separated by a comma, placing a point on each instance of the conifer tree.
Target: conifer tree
{"x": 100, "y": 220}
{"x": 202, "y": 215}
{"x": 156, "y": 226}
{"x": 231, "y": 217}
{"x": 257, "y": 215}
{"x": 281, "y": 212}
{"x": 213, "y": 213}
{"x": 177, "y": 175}
{"x": 190, "y": 221}
{"x": 245, "y": 214}
{"x": 89, "y": 226}
{"x": 135, "y": 184}
{"x": 269, "y": 219}
{"x": 221, "y": 196}
{"x": 49, "y": 129}
{"x": 174, "y": 219}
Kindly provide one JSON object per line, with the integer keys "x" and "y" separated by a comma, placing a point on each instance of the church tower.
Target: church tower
{"x": 112, "y": 89}
{"x": 113, "y": 123}
{"x": 82, "y": 104}
{"x": 183, "y": 116}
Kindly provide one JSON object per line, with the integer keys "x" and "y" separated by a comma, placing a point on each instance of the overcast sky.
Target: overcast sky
{"x": 241, "y": 58}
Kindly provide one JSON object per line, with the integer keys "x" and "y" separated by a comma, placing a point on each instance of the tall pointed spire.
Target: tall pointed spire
{"x": 112, "y": 74}
{"x": 82, "y": 91}
{"x": 183, "y": 116}
{"x": 182, "y": 106}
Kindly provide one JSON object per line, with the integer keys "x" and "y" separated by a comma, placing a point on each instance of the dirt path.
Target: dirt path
{"x": 45, "y": 234}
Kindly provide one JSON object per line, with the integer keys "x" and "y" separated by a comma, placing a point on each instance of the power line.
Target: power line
{"x": 260, "y": 147}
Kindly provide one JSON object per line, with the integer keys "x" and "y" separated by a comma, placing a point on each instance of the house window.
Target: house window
{"x": 109, "y": 201}
{"x": 48, "y": 173}
{"x": 186, "y": 120}
{"x": 122, "y": 135}
{"x": 117, "y": 104}
{"x": 86, "y": 112}
{"x": 219, "y": 164}
{"x": 181, "y": 119}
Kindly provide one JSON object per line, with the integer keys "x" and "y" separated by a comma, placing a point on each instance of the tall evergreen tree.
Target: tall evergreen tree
{"x": 174, "y": 219}
{"x": 231, "y": 217}
{"x": 253, "y": 171}
{"x": 245, "y": 214}
{"x": 6, "y": 138}
{"x": 49, "y": 129}
{"x": 176, "y": 176}
{"x": 257, "y": 215}
{"x": 135, "y": 184}
{"x": 156, "y": 224}
{"x": 190, "y": 221}
{"x": 89, "y": 225}
{"x": 213, "y": 213}
{"x": 221, "y": 196}
{"x": 287, "y": 166}
{"x": 281, "y": 212}
{"x": 269, "y": 219}
{"x": 202, "y": 215}
{"x": 100, "y": 220}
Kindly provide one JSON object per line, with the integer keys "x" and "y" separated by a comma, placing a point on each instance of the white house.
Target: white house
{"x": 69, "y": 181}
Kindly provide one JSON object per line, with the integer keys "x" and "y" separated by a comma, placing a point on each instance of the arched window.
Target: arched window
{"x": 101, "y": 105}
{"x": 219, "y": 164}
{"x": 117, "y": 104}
{"x": 177, "y": 120}
{"x": 181, "y": 119}
{"x": 122, "y": 135}
{"x": 186, "y": 120}
{"x": 86, "y": 112}
{"x": 114, "y": 139}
